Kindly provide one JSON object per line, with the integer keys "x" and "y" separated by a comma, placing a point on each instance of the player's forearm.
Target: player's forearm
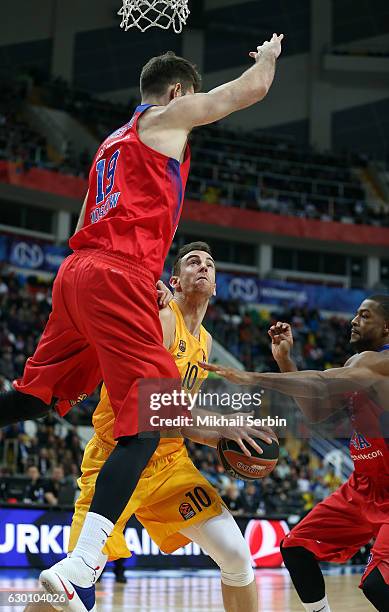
{"x": 313, "y": 383}
{"x": 287, "y": 364}
{"x": 252, "y": 86}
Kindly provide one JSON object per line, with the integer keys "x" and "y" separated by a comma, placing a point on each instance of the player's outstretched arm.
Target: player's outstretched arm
{"x": 366, "y": 370}
{"x": 251, "y": 87}
{"x": 303, "y": 384}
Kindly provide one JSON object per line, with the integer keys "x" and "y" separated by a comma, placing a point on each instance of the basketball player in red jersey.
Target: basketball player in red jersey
{"x": 359, "y": 510}
{"x": 104, "y": 323}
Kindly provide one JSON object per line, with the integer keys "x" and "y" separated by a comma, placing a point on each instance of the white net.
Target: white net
{"x": 145, "y": 14}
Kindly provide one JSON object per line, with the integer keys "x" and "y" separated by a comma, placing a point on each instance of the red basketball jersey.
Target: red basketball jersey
{"x": 368, "y": 448}
{"x": 135, "y": 198}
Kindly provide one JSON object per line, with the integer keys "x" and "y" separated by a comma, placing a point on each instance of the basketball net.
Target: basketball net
{"x": 145, "y": 14}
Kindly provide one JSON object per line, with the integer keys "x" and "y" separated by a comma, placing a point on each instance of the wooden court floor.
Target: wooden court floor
{"x": 168, "y": 591}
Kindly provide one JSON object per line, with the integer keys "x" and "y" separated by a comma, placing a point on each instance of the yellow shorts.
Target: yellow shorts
{"x": 171, "y": 495}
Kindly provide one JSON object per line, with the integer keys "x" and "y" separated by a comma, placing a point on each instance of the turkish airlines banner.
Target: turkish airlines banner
{"x": 31, "y": 537}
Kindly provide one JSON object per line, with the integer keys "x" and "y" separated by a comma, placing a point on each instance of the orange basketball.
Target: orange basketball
{"x": 238, "y": 465}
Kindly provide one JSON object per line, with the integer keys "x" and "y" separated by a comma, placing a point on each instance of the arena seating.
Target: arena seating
{"x": 248, "y": 170}
{"x": 18, "y": 141}
{"x": 256, "y": 171}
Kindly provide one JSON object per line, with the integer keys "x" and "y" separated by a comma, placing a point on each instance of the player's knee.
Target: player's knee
{"x": 371, "y": 582}
{"x": 289, "y": 554}
{"x": 293, "y": 555}
{"x": 17, "y": 406}
{"x": 236, "y": 569}
{"x": 376, "y": 590}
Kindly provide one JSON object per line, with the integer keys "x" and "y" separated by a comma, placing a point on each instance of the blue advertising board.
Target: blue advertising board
{"x": 38, "y": 537}
{"x": 35, "y": 256}
{"x": 252, "y": 289}
{"x": 31, "y": 254}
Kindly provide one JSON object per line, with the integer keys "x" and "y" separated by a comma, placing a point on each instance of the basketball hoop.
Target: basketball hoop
{"x": 145, "y": 14}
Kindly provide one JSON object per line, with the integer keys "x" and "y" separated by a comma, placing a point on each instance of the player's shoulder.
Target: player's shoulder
{"x": 208, "y": 336}
{"x": 175, "y": 114}
{"x": 369, "y": 359}
{"x": 209, "y": 340}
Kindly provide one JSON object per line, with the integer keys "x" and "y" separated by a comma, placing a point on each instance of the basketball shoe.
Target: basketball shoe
{"x": 72, "y": 581}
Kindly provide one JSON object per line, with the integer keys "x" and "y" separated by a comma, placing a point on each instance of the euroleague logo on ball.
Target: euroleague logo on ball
{"x": 264, "y": 539}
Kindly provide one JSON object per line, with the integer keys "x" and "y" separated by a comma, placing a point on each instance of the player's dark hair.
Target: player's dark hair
{"x": 188, "y": 248}
{"x": 168, "y": 69}
{"x": 383, "y": 302}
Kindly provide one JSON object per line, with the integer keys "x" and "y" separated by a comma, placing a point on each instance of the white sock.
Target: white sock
{"x": 318, "y": 606}
{"x": 94, "y": 534}
{"x": 101, "y": 563}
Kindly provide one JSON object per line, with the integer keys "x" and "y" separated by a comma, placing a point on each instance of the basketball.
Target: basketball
{"x": 238, "y": 465}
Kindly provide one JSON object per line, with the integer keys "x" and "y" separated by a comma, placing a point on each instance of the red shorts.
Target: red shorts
{"x": 347, "y": 520}
{"x": 104, "y": 325}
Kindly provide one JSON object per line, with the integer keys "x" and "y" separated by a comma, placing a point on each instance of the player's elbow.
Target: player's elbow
{"x": 256, "y": 94}
{"x": 262, "y": 91}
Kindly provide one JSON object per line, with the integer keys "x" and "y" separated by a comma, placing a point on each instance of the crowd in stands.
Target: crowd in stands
{"x": 247, "y": 170}
{"x": 319, "y": 342}
{"x": 269, "y": 174}
{"x": 49, "y": 456}
{"x": 101, "y": 116}
{"x": 18, "y": 141}
{"x": 40, "y": 463}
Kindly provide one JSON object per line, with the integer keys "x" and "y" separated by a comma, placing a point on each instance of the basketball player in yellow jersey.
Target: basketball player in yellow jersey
{"x": 172, "y": 500}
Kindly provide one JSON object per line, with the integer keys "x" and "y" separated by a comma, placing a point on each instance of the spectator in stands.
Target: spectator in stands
{"x": 252, "y": 499}
{"x": 208, "y": 471}
{"x": 303, "y": 482}
{"x": 34, "y": 492}
{"x": 59, "y": 489}
{"x": 282, "y": 469}
{"x": 320, "y": 490}
{"x": 233, "y": 499}
{"x": 25, "y": 450}
{"x": 44, "y": 463}
{"x": 332, "y": 481}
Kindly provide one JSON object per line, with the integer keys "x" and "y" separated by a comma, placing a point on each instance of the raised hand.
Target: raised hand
{"x": 164, "y": 294}
{"x": 281, "y": 340}
{"x": 269, "y": 46}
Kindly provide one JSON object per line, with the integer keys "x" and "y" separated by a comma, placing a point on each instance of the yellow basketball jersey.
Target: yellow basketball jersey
{"x": 186, "y": 351}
